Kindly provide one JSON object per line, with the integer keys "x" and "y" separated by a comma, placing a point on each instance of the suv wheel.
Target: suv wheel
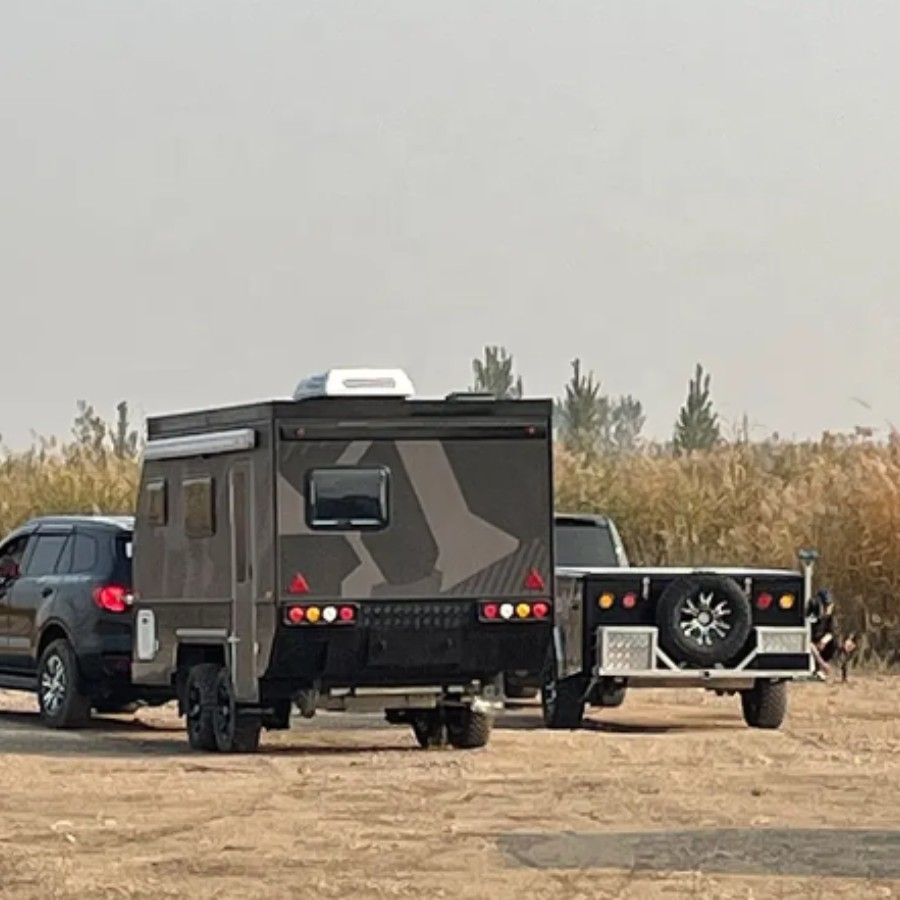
{"x": 60, "y": 699}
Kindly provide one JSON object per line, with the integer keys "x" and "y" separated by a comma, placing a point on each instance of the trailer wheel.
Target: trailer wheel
{"x": 765, "y": 704}
{"x": 468, "y": 729}
{"x": 199, "y": 703}
{"x": 430, "y": 731}
{"x": 562, "y": 702}
{"x": 236, "y": 731}
{"x": 704, "y": 620}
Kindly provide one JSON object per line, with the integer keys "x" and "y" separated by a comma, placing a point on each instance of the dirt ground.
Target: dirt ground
{"x": 346, "y": 806}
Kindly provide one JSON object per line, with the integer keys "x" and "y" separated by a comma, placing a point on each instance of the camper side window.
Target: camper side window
{"x": 199, "y": 507}
{"x": 157, "y": 506}
{"x": 347, "y": 498}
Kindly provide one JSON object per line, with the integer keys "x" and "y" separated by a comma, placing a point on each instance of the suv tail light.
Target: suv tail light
{"x": 112, "y": 598}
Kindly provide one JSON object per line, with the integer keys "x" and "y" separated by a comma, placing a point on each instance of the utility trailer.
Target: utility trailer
{"x": 731, "y": 630}
{"x": 352, "y": 548}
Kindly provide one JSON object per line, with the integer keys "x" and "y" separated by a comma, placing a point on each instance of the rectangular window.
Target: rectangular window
{"x": 199, "y": 507}
{"x": 157, "y": 502}
{"x": 347, "y": 498}
{"x": 240, "y": 515}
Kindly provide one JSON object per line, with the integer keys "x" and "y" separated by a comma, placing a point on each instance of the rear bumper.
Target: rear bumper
{"x": 406, "y": 645}
{"x": 633, "y": 652}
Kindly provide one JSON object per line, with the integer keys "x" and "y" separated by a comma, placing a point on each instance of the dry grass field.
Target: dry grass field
{"x": 742, "y": 504}
{"x": 349, "y": 807}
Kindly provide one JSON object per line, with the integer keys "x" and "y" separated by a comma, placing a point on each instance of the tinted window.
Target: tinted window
{"x": 347, "y": 498}
{"x": 199, "y": 511}
{"x": 156, "y": 500}
{"x": 85, "y": 554}
{"x": 579, "y": 544}
{"x": 123, "y": 564}
{"x": 47, "y": 551}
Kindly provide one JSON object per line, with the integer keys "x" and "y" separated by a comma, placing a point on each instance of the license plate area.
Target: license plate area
{"x": 414, "y": 648}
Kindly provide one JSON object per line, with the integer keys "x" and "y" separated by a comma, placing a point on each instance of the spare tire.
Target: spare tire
{"x": 703, "y": 620}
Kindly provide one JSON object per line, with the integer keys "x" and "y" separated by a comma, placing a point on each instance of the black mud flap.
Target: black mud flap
{"x": 412, "y": 649}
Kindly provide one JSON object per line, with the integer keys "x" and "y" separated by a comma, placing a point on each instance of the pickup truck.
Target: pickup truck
{"x": 582, "y": 540}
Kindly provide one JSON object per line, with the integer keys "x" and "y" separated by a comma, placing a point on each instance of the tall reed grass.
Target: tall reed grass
{"x": 742, "y": 504}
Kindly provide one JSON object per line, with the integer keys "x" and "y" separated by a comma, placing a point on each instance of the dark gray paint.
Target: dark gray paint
{"x": 470, "y": 516}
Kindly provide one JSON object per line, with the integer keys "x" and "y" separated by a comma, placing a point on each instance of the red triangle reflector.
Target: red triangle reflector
{"x": 298, "y": 585}
{"x": 534, "y": 581}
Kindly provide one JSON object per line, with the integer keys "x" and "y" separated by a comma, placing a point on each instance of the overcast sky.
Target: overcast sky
{"x": 202, "y": 201}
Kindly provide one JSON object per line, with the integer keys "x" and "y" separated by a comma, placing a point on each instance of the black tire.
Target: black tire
{"x": 61, "y": 701}
{"x": 562, "y": 702}
{"x": 765, "y": 704}
{"x": 199, "y": 706}
{"x": 236, "y": 731}
{"x": 430, "y": 732}
{"x": 715, "y": 603}
{"x": 469, "y": 729}
{"x": 515, "y": 690}
{"x": 279, "y": 719}
{"x": 608, "y": 696}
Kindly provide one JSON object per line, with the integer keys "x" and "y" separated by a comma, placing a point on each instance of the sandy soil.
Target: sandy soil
{"x": 349, "y": 807}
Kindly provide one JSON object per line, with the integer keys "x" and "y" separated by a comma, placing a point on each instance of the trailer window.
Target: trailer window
{"x": 157, "y": 505}
{"x": 347, "y": 498}
{"x": 199, "y": 507}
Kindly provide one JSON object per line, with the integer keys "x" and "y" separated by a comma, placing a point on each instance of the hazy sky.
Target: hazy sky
{"x": 201, "y": 202}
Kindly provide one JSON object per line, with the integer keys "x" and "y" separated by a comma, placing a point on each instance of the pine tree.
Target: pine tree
{"x": 697, "y": 426}
{"x": 627, "y": 421}
{"x": 583, "y": 415}
{"x": 494, "y": 374}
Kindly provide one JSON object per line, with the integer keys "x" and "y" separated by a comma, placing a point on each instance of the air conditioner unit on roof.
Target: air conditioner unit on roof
{"x": 356, "y": 383}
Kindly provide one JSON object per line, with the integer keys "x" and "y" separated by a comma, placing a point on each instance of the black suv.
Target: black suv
{"x": 66, "y": 616}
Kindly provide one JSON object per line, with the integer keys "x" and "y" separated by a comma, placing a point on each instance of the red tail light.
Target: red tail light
{"x": 299, "y": 585}
{"x": 534, "y": 581}
{"x": 513, "y": 611}
{"x": 112, "y": 598}
{"x": 629, "y": 601}
{"x": 764, "y": 601}
{"x": 318, "y": 615}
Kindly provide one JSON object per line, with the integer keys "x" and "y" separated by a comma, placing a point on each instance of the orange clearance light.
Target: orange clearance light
{"x": 534, "y": 581}
{"x": 523, "y": 610}
{"x": 296, "y": 614}
{"x": 786, "y": 601}
{"x": 606, "y": 601}
{"x": 313, "y": 614}
{"x": 298, "y": 585}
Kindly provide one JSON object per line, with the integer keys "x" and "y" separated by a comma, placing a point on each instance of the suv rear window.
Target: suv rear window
{"x": 123, "y": 564}
{"x": 584, "y": 545}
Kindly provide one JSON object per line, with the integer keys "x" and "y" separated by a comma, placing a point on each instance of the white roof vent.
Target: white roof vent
{"x": 356, "y": 383}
